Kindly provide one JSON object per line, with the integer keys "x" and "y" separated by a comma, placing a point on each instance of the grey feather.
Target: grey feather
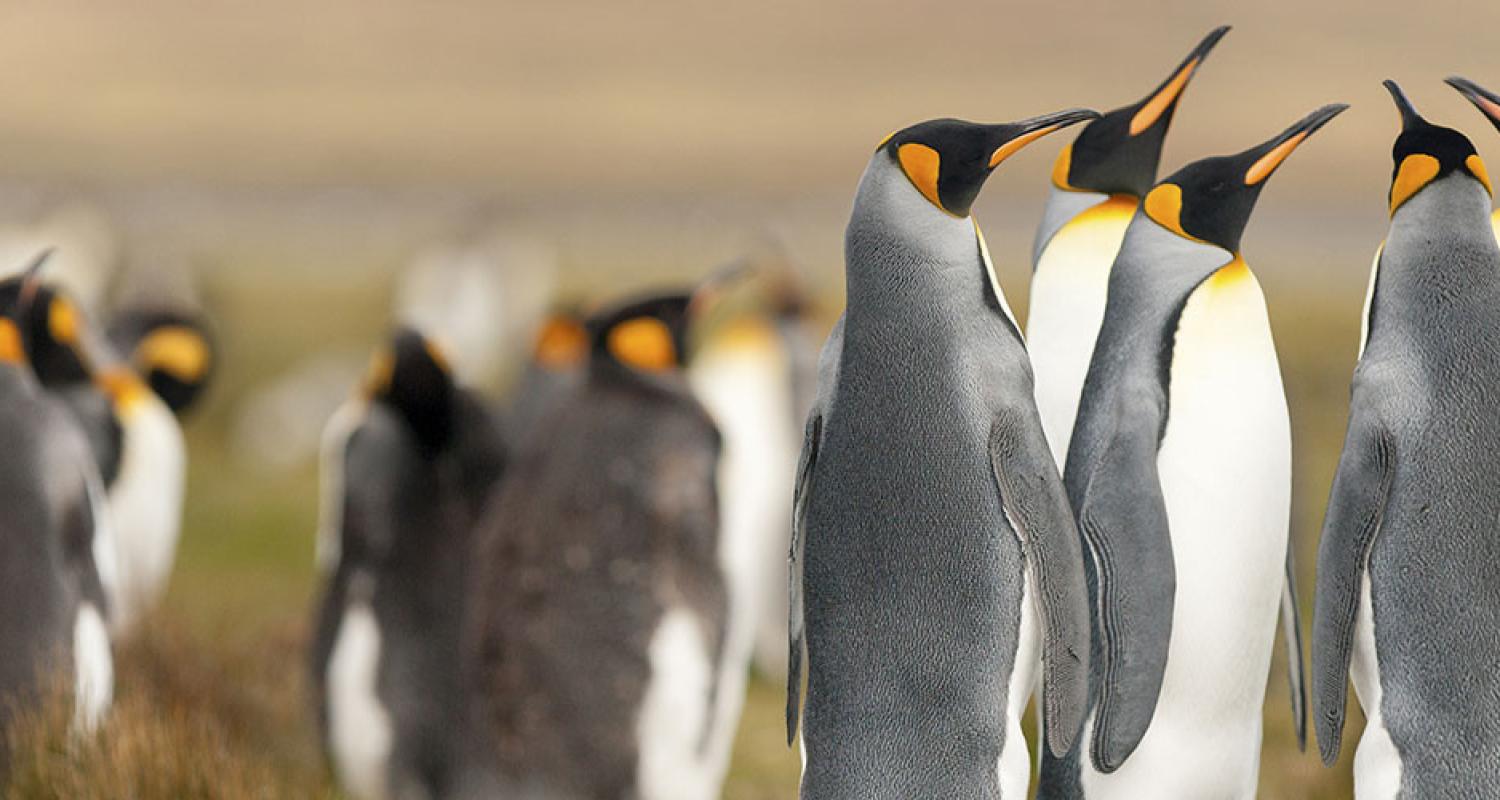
{"x": 1291, "y": 629}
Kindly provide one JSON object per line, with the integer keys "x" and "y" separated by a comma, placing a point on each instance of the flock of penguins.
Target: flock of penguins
{"x": 562, "y": 598}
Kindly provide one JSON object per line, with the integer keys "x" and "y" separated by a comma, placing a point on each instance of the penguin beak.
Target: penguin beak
{"x": 1485, "y": 100}
{"x": 31, "y": 281}
{"x": 1011, "y": 137}
{"x": 1156, "y": 105}
{"x": 1268, "y": 156}
{"x": 1410, "y": 119}
{"x": 719, "y": 283}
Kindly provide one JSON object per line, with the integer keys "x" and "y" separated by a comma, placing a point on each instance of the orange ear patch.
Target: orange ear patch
{"x": 176, "y": 350}
{"x": 1476, "y": 168}
{"x": 1062, "y": 166}
{"x": 11, "y": 351}
{"x": 1416, "y": 170}
{"x": 644, "y": 343}
{"x": 921, "y": 163}
{"x": 562, "y": 344}
{"x": 1162, "y": 100}
{"x": 62, "y": 321}
{"x": 1164, "y": 204}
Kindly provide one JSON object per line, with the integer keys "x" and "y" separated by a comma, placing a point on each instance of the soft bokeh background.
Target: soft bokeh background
{"x": 296, "y": 155}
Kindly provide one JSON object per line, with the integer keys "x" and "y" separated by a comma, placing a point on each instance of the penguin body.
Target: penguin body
{"x": 1097, "y": 184}
{"x": 409, "y": 464}
{"x": 602, "y": 640}
{"x": 933, "y": 556}
{"x": 1180, "y": 472}
{"x": 556, "y": 367}
{"x": 135, "y": 439}
{"x": 55, "y": 551}
{"x": 1409, "y": 560}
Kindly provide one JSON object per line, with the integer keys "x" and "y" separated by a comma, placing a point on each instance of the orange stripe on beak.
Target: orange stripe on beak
{"x": 1158, "y": 105}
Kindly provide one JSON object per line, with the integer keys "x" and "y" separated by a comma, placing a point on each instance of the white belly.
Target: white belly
{"x": 1068, "y": 293}
{"x": 1015, "y": 764}
{"x": 1377, "y": 764}
{"x": 1225, "y": 468}
{"x": 145, "y": 504}
{"x": 359, "y": 726}
{"x": 93, "y": 669}
{"x": 673, "y": 763}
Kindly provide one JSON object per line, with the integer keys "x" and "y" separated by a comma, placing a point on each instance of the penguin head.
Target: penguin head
{"x": 1211, "y": 200}
{"x": 173, "y": 350}
{"x": 411, "y": 377}
{"x": 562, "y": 344}
{"x": 1425, "y": 153}
{"x": 648, "y": 335}
{"x": 948, "y": 160}
{"x": 1485, "y": 100}
{"x": 1118, "y": 153}
{"x": 50, "y": 327}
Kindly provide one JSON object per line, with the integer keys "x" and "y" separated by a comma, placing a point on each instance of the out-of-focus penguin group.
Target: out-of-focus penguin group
{"x": 938, "y": 520}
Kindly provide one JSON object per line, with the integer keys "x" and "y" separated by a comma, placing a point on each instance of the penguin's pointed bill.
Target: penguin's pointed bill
{"x": 948, "y": 160}
{"x": 1425, "y": 152}
{"x": 1119, "y": 152}
{"x": 1485, "y": 100}
{"x": 1211, "y": 200}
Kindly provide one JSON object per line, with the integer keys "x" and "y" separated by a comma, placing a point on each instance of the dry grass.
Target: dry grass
{"x": 192, "y": 719}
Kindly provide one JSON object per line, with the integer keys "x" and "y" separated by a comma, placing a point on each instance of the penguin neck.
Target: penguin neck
{"x": 1453, "y": 213}
{"x": 901, "y": 248}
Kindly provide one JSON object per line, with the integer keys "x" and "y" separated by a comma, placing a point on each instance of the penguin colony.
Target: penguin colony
{"x": 563, "y": 597}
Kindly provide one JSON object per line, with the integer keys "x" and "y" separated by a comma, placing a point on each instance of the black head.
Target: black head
{"x": 172, "y": 349}
{"x": 649, "y": 333}
{"x": 948, "y": 160}
{"x": 1485, "y": 100}
{"x": 50, "y": 326}
{"x": 1211, "y": 200}
{"x": 1425, "y": 152}
{"x": 1118, "y": 153}
{"x": 411, "y": 376}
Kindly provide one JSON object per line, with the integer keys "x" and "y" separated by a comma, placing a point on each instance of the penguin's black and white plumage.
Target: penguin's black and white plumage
{"x": 935, "y": 562}
{"x": 1407, "y": 607}
{"x": 172, "y": 349}
{"x": 56, "y": 550}
{"x": 136, "y": 440}
{"x": 1180, "y": 473}
{"x": 1488, "y": 103}
{"x": 408, "y": 469}
{"x": 1097, "y": 184}
{"x": 600, "y": 640}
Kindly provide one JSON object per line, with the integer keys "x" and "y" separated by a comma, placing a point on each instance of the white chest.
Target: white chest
{"x": 359, "y": 726}
{"x": 145, "y": 504}
{"x": 675, "y": 763}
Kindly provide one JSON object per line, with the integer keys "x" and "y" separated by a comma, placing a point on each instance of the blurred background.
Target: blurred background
{"x": 293, "y": 159}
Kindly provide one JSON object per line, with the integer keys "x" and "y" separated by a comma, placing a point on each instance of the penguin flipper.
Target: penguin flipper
{"x": 1291, "y": 628}
{"x": 795, "y": 633}
{"x": 1035, "y": 503}
{"x": 1356, "y": 506}
{"x": 1123, "y": 517}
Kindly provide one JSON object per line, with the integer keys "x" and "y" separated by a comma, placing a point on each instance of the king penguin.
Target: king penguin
{"x": 1180, "y": 472}
{"x": 1097, "y": 184}
{"x": 1489, "y": 103}
{"x": 136, "y": 441}
{"x": 56, "y": 550}
{"x": 402, "y": 488}
{"x": 172, "y": 349}
{"x": 934, "y": 560}
{"x": 601, "y": 643}
{"x": 1406, "y": 605}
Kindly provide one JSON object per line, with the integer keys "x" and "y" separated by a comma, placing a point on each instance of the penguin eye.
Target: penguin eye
{"x": 177, "y": 350}
{"x": 644, "y": 343}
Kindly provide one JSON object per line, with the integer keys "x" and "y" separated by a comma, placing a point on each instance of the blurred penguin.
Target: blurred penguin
{"x": 408, "y": 464}
{"x": 56, "y": 551}
{"x": 601, "y": 640}
{"x": 558, "y": 355}
{"x": 756, "y": 374}
{"x": 136, "y": 441}
{"x": 172, "y": 349}
{"x": 480, "y": 299}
